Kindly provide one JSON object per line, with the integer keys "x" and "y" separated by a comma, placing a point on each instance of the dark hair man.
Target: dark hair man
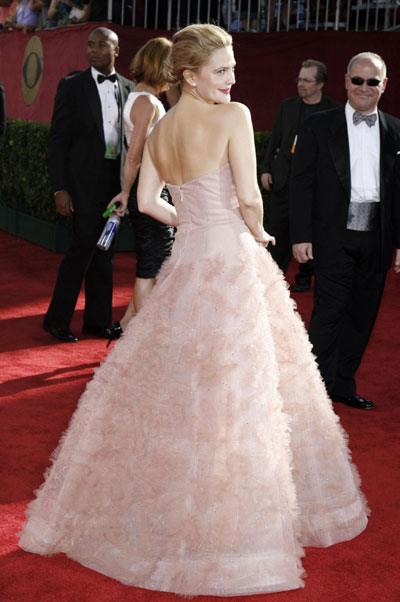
{"x": 344, "y": 209}
{"x": 311, "y": 82}
{"x": 86, "y": 144}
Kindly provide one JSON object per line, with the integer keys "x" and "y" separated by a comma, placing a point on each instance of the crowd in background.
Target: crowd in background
{"x": 233, "y": 15}
{"x": 46, "y": 14}
{"x": 28, "y": 15}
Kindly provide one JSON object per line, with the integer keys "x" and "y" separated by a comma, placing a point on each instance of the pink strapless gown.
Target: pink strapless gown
{"x": 205, "y": 452}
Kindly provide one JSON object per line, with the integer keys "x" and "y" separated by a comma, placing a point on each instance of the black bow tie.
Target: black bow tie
{"x": 111, "y": 78}
{"x": 369, "y": 119}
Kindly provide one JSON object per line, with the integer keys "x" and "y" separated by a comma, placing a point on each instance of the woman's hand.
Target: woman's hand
{"x": 122, "y": 198}
{"x": 265, "y": 239}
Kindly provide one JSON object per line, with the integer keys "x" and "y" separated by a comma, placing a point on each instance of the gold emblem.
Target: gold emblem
{"x": 32, "y": 69}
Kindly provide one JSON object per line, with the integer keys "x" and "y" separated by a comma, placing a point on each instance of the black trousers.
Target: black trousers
{"x": 278, "y": 226}
{"x": 346, "y": 303}
{"x": 85, "y": 262}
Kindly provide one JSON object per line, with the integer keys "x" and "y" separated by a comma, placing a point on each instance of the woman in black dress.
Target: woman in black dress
{"x": 143, "y": 109}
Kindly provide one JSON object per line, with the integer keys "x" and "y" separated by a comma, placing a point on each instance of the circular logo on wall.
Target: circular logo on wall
{"x": 32, "y": 69}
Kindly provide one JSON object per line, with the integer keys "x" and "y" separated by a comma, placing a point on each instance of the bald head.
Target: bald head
{"x": 371, "y": 57}
{"x": 109, "y": 34}
{"x": 103, "y": 49}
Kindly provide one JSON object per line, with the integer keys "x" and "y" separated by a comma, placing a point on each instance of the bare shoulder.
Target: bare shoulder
{"x": 236, "y": 109}
{"x": 144, "y": 108}
{"x": 159, "y": 128}
{"x": 161, "y": 123}
{"x": 145, "y": 100}
{"x": 235, "y": 112}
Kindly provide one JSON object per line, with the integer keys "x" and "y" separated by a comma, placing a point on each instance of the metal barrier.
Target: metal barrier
{"x": 259, "y": 15}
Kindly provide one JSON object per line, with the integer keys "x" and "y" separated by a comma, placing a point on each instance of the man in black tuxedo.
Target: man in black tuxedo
{"x": 344, "y": 211}
{"x": 86, "y": 144}
{"x": 311, "y": 82}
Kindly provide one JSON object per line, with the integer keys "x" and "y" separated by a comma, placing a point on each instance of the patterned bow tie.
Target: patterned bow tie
{"x": 369, "y": 119}
{"x": 111, "y": 78}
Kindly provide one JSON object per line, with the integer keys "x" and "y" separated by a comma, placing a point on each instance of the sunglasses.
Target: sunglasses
{"x": 358, "y": 81}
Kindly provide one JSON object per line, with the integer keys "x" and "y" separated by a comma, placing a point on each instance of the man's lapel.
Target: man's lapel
{"x": 295, "y": 116}
{"x": 123, "y": 90}
{"x": 94, "y": 101}
{"x": 388, "y": 154}
{"x": 338, "y": 143}
{"x": 122, "y": 96}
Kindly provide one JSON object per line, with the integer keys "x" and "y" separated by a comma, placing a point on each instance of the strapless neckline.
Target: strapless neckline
{"x": 209, "y": 173}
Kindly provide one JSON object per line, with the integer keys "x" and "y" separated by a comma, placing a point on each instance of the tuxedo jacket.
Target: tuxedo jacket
{"x": 320, "y": 186}
{"x": 278, "y": 156}
{"x": 77, "y": 145}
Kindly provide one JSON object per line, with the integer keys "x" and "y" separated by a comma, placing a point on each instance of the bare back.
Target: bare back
{"x": 191, "y": 140}
{"x": 194, "y": 139}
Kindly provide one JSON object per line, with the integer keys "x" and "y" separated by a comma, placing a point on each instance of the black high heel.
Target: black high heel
{"x": 115, "y": 332}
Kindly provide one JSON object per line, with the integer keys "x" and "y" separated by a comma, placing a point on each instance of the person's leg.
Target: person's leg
{"x": 359, "y": 319}
{"x": 99, "y": 287}
{"x": 303, "y": 277}
{"x": 153, "y": 243}
{"x": 71, "y": 273}
{"x": 99, "y": 275}
{"x": 142, "y": 289}
{"x": 128, "y": 315}
{"x": 332, "y": 291}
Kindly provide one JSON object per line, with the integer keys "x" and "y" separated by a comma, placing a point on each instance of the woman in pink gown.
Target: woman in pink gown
{"x": 205, "y": 453}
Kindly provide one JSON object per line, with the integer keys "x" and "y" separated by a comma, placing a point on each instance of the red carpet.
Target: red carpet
{"x": 41, "y": 381}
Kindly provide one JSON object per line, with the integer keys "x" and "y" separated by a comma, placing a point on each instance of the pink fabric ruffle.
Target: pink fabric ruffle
{"x": 205, "y": 452}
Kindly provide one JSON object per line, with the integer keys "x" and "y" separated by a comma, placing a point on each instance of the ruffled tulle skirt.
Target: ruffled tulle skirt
{"x": 204, "y": 454}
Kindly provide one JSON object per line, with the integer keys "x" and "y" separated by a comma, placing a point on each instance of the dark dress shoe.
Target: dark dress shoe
{"x": 354, "y": 401}
{"x": 97, "y": 331}
{"x": 61, "y": 334}
{"x": 301, "y": 288}
{"x": 115, "y": 332}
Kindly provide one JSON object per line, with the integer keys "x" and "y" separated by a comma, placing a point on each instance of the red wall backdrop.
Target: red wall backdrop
{"x": 267, "y": 65}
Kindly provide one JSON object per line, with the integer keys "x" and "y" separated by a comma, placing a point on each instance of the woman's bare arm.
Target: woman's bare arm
{"x": 242, "y": 158}
{"x": 142, "y": 115}
{"x": 150, "y": 186}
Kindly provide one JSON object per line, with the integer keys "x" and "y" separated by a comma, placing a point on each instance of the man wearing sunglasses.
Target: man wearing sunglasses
{"x": 344, "y": 210}
{"x": 311, "y": 83}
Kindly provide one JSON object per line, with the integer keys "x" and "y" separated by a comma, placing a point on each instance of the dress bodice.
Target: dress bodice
{"x": 207, "y": 200}
{"x": 128, "y": 125}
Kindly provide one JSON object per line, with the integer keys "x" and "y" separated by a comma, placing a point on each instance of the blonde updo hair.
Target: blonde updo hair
{"x": 193, "y": 46}
{"x": 150, "y": 63}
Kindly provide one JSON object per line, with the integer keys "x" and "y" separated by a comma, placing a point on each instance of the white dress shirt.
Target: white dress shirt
{"x": 364, "y": 144}
{"x": 109, "y": 93}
